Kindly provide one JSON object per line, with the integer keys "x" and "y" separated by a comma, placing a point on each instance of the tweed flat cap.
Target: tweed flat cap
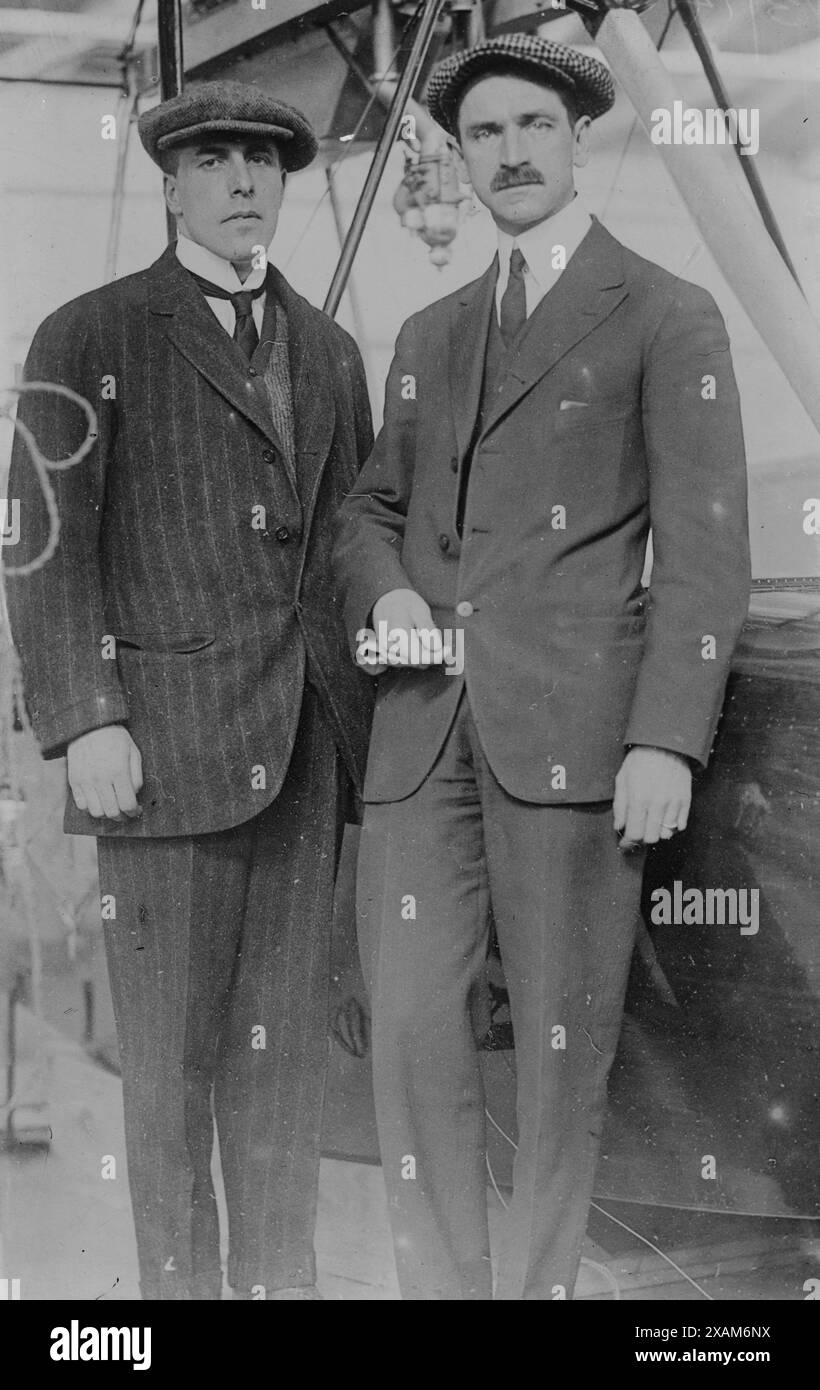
{"x": 588, "y": 80}
{"x": 228, "y": 108}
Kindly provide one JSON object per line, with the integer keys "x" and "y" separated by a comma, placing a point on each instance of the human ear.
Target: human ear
{"x": 580, "y": 154}
{"x": 172, "y": 195}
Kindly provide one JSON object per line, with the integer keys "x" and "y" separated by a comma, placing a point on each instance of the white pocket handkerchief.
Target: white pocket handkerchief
{"x": 570, "y": 405}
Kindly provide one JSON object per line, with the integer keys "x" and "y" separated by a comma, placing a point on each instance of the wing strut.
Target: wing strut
{"x": 714, "y": 191}
{"x": 425, "y": 24}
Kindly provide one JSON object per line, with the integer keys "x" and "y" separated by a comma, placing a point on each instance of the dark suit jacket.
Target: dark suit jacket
{"x": 216, "y": 620}
{"x": 604, "y": 413}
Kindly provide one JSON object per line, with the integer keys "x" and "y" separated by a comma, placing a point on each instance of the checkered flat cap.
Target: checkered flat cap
{"x": 588, "y": 80}
{"x": 228, "y": 108}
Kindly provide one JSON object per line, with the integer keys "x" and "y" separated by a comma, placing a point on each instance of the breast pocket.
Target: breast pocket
{"x": 581, "y": 417}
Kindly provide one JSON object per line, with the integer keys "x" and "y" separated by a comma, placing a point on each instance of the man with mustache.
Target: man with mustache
{"x": 182, "y": 648}
{"x": 538, "y": 423}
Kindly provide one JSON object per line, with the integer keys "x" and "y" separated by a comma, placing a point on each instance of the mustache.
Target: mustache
{"x": 513, "y": 178}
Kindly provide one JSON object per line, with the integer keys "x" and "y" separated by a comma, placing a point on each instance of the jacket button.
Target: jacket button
{"x": 269, "y": 456}
{"x": 464, "y": 609}
{"x": 453, "y": 465}
{"x": 444, "y": 542}
{"x": 252, "y": 371}
{"x": 282, "y": 534}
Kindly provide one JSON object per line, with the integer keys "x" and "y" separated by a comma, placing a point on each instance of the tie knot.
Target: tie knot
{"x": 242, "y": 301}
{"x": 517, "y": 263}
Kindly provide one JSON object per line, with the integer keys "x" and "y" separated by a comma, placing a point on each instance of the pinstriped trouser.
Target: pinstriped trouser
{"x": 217, "y": 937}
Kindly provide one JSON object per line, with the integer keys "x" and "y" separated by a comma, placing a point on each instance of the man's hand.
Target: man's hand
{"x": 105, "y": 773}
{"x": 653, "y": 792}
{"x": 404, "y": 611}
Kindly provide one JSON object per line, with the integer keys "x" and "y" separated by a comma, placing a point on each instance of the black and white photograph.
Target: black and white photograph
{"x": 410, "y": 660}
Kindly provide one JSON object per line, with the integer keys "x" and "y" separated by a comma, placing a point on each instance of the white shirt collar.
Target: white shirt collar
{"x": 538, "y": 245}
{"x": 215, "y": 268}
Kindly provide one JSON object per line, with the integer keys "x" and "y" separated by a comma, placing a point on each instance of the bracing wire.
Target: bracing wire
{"x": 656, "y": 1248}
{"x": 127, "y": 112}
{"x": 610, "y": 1217}
{"x": 672, "y": 11}
{"x": 334, "y": 168}
{"x": 494, "y": 1183}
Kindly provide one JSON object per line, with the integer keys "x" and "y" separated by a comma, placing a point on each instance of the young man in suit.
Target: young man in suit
{"x": 537, "y": 424}
{"x": 183, "y": 649}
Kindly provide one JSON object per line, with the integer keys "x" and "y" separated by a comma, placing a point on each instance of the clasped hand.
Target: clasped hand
{"x": 403, "y": 611}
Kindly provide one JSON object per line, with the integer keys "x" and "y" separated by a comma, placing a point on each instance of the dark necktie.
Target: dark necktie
{"x": 514, "y": 300}
{"x": 244, "y": 332}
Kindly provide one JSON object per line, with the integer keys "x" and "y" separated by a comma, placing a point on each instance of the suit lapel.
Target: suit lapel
{"x": 314, "y": 412}
{"x": 469, "y": 326}
{"x": 267, "y": 333}
{"x": 260, "y": 359}
{"x": 189, "y": 322}
{"x": 586, "y": 293}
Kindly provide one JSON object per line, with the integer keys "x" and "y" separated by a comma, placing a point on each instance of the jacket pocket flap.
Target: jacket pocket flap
{"x": 165, "y": 641}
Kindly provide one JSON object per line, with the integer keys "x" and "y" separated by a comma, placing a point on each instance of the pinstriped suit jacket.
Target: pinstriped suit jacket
{"x": 188, "y": 537}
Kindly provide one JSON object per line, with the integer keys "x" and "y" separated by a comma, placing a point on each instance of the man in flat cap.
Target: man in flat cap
{"x": 183, "y": 650}
{"x": 537, "y": 424}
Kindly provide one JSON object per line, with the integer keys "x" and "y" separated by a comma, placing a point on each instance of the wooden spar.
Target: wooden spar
{"x": 713, "y": 189}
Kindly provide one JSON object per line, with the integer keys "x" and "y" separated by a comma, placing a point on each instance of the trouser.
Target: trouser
{"x": 218, "y": 961}
{"x": 565, "y": 903}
